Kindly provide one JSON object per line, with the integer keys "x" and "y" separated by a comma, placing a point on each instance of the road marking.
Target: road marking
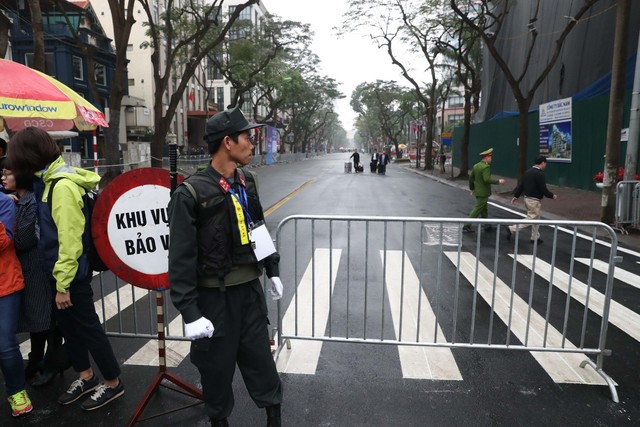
{"x": 570, "y": 231}
{"x": 175, "y": 351}
{"x": 561, "y": 367}
{"x": 417, "y": 362}
{"x": 126, "y": 293}
{"x": 619, "y": 273}
{"x": 275, "y": 207}
{"x": 304, "y": 355}
{"x": 619, "y": 315}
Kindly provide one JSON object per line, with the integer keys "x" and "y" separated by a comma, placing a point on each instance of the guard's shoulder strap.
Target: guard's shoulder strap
{"x": 191, "y": 190}
{"x": 249, "y": 175}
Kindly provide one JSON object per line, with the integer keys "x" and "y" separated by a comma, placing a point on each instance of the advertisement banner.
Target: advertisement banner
{"x": 271, "y": 143}
{"x": 555, "y": 130}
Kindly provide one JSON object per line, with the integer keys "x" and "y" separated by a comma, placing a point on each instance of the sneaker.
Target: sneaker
{"x": 103, "y": 395}
{"x": 20, "y": 403}
{"x": 77, "y": 389}
{"x": 467, "y": 229}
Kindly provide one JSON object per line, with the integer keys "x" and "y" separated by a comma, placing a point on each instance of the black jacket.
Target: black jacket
{"x": 533, "y": 185}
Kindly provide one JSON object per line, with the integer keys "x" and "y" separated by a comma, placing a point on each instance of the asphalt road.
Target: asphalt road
{"x": 353, "y": 384}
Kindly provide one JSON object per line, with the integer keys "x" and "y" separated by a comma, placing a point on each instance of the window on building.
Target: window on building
{"x": 131, "y": 82}
{"x": 240, "y": 31}
{"x": 213, "y": 72}
{"x": 455, "y": 118}
{"x": 101, "y": 75}
{"x": 49, "y": 63}
{"x": 456, "y": 101}
{"x": 78, "y": 71}
{"x": 246, "y": 104}
{"x": 220, "y": 98}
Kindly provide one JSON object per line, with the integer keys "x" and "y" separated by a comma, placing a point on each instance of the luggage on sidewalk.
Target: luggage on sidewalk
{"x": 359, "y": 168}
{"x": 347, "y": 167}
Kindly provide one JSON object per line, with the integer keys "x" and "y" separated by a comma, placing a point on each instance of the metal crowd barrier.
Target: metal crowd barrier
{"x": 422, "y": 282}
{"x": 627, "y": 205}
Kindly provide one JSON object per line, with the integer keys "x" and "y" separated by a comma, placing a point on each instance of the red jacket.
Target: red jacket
{"x": 11, "y": 279}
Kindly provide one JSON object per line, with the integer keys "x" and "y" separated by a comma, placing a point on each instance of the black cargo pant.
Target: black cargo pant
{"x": 83, "y": 332}
{"x": 239, "y": 316}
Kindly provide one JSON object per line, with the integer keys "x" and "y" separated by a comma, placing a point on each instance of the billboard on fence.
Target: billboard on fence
{"x": 555, "y": 130}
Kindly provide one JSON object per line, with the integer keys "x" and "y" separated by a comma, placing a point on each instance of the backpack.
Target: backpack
{"x": 89, "y": 199}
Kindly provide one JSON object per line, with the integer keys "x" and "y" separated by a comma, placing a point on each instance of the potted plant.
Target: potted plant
{"x": 599, "y": 177}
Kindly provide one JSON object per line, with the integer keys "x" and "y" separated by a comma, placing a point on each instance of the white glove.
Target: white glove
{"x": 200, "y": 328}
{"x": 276, "y": 288}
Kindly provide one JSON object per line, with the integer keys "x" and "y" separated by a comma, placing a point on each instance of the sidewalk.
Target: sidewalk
{"x": 571, "y": 204}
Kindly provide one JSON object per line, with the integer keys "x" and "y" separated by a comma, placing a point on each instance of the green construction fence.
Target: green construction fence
{"x": 589, "y": 135}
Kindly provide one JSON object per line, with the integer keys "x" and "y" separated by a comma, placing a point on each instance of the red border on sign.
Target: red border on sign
{"x": 100, "y": 220}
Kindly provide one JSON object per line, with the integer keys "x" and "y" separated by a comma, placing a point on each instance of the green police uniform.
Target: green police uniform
{"x": 480, "y": 181}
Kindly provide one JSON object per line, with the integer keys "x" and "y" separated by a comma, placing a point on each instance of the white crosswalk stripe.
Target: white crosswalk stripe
{"x": 417, "y": 362}
{"x": 619, "y": 274}
{"x": 619, "y": 315}
{"x": 113, "y": 303}
{"x": 561, "y": 367}
{"x": 175, "y": 351}
{"x": 303, "y": 356}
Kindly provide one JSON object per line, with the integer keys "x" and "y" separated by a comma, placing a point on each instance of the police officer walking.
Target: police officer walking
{"x": 215, "y": 269}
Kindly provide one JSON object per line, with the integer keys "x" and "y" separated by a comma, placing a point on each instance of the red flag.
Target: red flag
{"x": 191, "y": 96}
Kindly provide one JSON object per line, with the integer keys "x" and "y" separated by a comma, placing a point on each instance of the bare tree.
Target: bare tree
{"x": 180, "y": 39}
{"x": 487, "y": 18}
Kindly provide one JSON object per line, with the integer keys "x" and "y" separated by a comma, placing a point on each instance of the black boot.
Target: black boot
{"x": 219, "y": 423}
{"x": 273, "y": 416}
{"x": 34, "y": 366}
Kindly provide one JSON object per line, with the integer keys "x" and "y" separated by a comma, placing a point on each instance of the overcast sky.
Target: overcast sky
{"x": 351, "y": 59}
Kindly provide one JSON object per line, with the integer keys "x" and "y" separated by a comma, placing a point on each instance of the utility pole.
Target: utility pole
{"x": 607, "y": 212}
{"x": 630, "y": 163}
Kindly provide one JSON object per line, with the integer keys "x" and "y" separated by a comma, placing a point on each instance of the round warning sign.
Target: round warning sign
{"x": 130, "y": 227}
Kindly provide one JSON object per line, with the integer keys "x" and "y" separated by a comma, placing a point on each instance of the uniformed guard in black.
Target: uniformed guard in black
{"x": 215, "y": 277}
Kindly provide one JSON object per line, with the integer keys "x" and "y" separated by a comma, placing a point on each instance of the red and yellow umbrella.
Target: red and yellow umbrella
{"x": 31, "y": 98}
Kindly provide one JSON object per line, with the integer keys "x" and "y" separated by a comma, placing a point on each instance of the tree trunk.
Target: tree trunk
{"x": 466, "y": 136}
{"x": 38, "y": 35}
{"x": 620, "y": 47}
{"x": 5, "y": 25}
{"x": 523, "y": 135}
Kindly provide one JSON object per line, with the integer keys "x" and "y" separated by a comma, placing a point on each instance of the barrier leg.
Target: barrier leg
{"x": 187, "y": 389}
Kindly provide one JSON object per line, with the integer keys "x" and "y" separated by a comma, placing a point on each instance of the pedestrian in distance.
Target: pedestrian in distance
{"x": 534, "y": 187}
{"x": 356, "y": 160}
{"x": 37, "y": 300}
{"x": 64, "y": 241}
{"x": 443, "y": 160}
{"x": 383, "y": 161}
{"x": 374, "y": 160}
{"x": 215, "y": 265}
{"x": 480, "y": 181}
{"x": 11, "y": 286}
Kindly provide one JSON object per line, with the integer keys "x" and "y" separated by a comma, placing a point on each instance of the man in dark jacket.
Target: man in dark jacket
{"x": 215, "y": 265}
{"x": 534, "y": 187}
